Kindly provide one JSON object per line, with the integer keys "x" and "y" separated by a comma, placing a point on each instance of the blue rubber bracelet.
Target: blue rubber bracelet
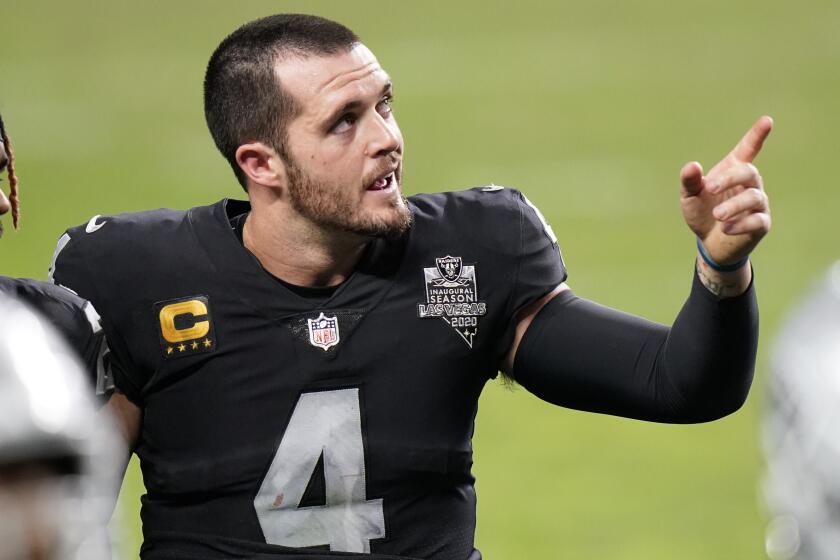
{"x": 719, "y": 267}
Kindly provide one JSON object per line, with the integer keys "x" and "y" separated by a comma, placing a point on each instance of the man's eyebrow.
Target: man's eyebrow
{"x": 355, "y": 104}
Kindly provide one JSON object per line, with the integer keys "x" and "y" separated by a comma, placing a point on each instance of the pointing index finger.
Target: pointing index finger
{"x": 750, "y": 145}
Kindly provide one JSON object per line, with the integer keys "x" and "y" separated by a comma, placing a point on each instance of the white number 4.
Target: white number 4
{"x": 328, "y": 423}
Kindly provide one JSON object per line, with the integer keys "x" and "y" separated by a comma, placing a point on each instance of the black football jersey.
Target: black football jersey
{"x": 74, "y": 318}
{"x": 275, "y": 425}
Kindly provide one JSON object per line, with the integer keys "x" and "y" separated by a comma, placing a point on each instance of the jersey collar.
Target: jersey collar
{"x": 241, "y": 272}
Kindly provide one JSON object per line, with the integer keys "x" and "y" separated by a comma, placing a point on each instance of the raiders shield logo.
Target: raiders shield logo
{"x": 449, "y": 267}
{"x": 452, "y": 295}
{"x": 323, "y": 331}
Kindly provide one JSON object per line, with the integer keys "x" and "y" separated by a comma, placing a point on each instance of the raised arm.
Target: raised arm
{"x": 581, "y": 355}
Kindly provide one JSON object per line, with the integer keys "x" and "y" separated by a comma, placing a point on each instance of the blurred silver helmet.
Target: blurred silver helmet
{"x": 801, "y": 432}
{"x": 59, "y": 457}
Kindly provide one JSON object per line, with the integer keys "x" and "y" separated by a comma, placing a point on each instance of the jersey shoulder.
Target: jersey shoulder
{"x": 499, "y": 217}
{"x": 124, "y": 264}
{"x": 73, "y": 317}
{"x": 477, "y": 200}
{"x": 42, "y": 295}
{"x": 123, "y": 247}
{"x": 70, "y": 314}
{"x": 118, "y": 232}
{"x": 500, "y": 233}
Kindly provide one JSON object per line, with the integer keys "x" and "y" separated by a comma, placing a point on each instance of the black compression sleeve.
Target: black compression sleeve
{"x": 582, "y": 355}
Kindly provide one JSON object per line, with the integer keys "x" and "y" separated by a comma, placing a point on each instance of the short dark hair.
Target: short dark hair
{"x": 243, "y": 99}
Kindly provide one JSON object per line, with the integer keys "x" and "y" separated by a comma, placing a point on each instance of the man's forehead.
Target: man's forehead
{"x": 326, "y": 76}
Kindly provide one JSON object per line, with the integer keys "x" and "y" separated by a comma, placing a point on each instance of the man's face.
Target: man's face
{"x": 4, "y": 160}
{"x": 344, "y": 149}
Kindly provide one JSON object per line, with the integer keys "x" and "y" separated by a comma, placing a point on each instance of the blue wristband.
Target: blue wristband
{"x": 719, "y": 267}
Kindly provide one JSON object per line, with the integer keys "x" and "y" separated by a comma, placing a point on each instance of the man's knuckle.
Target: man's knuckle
{"x": 763, "y": 199}
{"x": 763, "y": 221}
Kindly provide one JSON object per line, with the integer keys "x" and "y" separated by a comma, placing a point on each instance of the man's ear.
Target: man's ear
{"x": 261, "y": 165}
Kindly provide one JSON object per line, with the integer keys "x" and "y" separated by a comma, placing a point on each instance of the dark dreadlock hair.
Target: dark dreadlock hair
{"x": 243, "y": 98}
{"x": 14, "y": 199}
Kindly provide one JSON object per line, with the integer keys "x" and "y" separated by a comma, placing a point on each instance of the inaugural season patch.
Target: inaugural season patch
{"x": 452, "y": 295}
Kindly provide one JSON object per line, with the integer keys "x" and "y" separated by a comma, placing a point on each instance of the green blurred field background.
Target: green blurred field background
{"x": 589, "y": 107}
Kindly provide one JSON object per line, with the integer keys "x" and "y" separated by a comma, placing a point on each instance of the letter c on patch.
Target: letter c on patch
{"x": 191, "y": 311}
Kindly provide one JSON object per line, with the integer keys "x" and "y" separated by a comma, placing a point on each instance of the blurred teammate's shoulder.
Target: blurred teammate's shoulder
{"x": 73, "y": 317}
{"x": 59, "y": 459}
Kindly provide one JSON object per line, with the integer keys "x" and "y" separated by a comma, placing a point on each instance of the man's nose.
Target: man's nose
{"x": 385, "y": 137}
{"x": 4, "y": 205}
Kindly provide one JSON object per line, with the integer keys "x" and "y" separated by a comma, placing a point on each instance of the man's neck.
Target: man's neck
{"x": 298, "y": 251}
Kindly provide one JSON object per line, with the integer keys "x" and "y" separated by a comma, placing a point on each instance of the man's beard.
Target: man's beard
{"x": 331, "y": 209}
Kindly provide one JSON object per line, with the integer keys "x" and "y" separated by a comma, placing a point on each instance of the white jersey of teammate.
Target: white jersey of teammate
{"x": 59, "y": 456}
{"x": 802, "y": 430}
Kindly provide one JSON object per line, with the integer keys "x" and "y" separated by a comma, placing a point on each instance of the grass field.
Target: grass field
{"x": 589, "y": 107}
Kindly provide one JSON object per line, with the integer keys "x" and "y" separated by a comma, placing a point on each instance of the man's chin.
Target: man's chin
{"x": 389, "y": 225}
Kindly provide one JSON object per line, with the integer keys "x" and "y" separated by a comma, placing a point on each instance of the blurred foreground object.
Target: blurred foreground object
{"x": 802, "y": 430}
{"x": 59, "y": 457}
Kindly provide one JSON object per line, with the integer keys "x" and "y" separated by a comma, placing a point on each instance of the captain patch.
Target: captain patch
{"x": 185, "y": 326}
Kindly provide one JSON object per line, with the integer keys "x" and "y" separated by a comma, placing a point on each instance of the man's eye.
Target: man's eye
{"x": 385, "y": 106}
{"x": 344, "y": 123}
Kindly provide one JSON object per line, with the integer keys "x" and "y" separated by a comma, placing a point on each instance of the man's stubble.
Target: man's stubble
{"x": 331, "y": 208}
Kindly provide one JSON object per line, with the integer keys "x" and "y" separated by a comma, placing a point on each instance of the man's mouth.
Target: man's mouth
{"x": 386, "y": 183}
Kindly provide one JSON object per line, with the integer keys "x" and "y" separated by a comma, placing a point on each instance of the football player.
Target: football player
{"x": 801, "y": 427}
{"x": 73, "y": 317}
{"x": 58, "y": 457}
{"x": 300, "y": 372}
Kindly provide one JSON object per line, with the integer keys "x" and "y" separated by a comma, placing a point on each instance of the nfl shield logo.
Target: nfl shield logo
{"x": 323, "y": 331}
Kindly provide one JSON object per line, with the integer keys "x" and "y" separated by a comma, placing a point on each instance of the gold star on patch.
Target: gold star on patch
{"x": 194, "y": 345}
{"x": 181, "y": 347}
{"x": 169, "y": 350}
{"x": 207, "y": 343}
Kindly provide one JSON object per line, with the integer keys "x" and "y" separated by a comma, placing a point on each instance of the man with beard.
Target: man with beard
{"x": 300, "y": 373}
